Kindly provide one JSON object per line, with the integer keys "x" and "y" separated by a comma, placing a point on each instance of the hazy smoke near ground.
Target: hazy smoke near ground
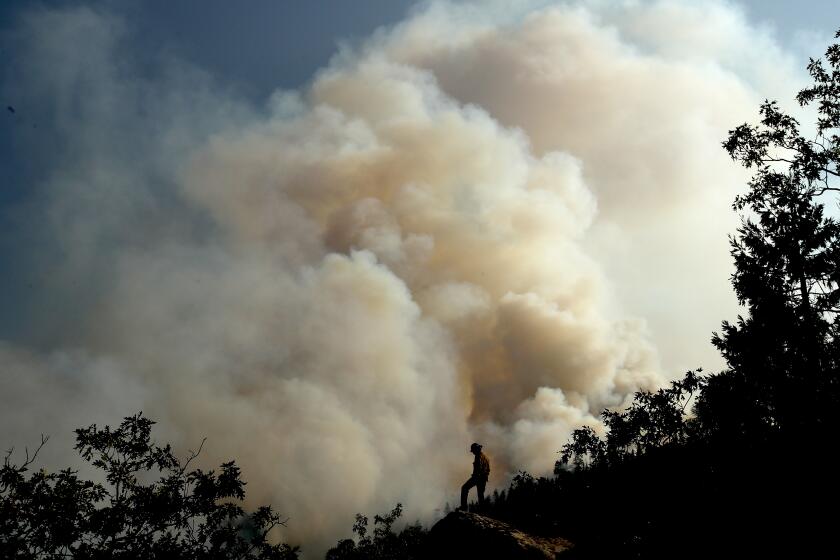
{"x": 481, "y": 224}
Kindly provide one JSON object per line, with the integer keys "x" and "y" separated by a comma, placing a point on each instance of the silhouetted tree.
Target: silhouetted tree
{"x": 184, "y": 513}
{"x": 783, "y": 357}
{"x": 653, "y": 420}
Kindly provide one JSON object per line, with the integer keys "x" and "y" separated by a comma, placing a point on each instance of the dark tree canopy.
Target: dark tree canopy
{"x": 787, "y": 259}
{"x": 150, "y": 505}
{"x": 383, "y": 543}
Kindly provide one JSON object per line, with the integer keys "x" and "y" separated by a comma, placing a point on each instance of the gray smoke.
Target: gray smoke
{"x": 480, "y": 224}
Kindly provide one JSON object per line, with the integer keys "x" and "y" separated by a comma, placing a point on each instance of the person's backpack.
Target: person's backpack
{"x": 483, "y": 466}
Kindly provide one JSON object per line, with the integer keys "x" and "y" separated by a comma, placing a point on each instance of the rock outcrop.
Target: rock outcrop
{"x": 470, "y": 535}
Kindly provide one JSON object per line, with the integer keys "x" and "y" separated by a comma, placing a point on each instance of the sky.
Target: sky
{"x": 355, "y": 237}
{"x": 278, "y": 44}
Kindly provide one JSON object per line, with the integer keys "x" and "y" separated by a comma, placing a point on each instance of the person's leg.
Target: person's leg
{"x": 465, "y": 489}
{"x": 479, "y": 487}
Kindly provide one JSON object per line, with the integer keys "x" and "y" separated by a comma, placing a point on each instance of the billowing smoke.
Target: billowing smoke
{"x": 480, "y": 224}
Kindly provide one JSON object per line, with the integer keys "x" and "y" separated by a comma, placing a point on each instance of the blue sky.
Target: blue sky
{"x": 257, "y": 46}
{"x": 264, "y": 44}
{"x": 270, "y": 44}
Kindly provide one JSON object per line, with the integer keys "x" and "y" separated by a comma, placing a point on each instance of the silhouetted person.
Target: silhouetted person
{"x": 480, "y": 474}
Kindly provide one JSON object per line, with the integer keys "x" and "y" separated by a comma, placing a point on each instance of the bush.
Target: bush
{"x": 183, "y": 514}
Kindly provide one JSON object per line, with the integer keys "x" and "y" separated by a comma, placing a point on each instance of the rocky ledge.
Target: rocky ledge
{"x": 470, "y": 535}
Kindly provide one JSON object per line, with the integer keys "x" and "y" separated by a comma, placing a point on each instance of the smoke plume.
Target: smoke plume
{"x": 479, "y": 224}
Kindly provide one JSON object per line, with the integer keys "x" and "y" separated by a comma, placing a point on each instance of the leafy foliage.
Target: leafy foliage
{"x": 383, "y": 543}
{"x": 653, "y": 420}
{"x": 787, "y": 259}
{"x": 184, "y": 513}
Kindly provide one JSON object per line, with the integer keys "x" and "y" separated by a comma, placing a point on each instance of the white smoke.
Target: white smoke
{"x": 479, "y": 224}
